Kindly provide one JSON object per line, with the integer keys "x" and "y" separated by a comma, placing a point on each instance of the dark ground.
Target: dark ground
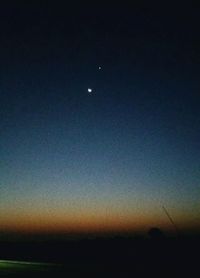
{"x": 105, "y": 257}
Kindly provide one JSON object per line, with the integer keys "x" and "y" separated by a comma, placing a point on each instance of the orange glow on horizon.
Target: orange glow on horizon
{"x": 81, "y": 225}
{"x": 88, "y": 220}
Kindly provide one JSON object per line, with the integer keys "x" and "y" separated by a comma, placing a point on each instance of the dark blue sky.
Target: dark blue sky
{"x": 117, "y": 154}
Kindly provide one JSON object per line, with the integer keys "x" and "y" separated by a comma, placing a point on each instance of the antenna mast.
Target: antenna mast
{"x": 170, "y": 219}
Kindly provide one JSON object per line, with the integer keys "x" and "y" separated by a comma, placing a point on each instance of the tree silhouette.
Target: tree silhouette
{"x": 155, "y": 233}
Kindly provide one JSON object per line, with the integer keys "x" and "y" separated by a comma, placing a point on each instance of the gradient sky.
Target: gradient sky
{"x": 109, "y": 160}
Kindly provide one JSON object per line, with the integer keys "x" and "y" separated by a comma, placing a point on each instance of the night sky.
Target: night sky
{"x": 73, "y": 160}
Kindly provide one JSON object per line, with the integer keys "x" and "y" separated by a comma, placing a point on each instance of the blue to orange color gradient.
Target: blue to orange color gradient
{"x": 106, "y": 161}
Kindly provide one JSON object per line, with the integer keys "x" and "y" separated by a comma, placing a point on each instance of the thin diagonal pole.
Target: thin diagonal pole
{"x": 170, "y": 219}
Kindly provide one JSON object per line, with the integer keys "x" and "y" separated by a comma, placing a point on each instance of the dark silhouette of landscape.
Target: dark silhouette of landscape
{"x": 104, "y": 256}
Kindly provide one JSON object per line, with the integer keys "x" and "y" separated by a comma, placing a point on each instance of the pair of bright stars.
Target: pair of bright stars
{"x": 90, "y": 90}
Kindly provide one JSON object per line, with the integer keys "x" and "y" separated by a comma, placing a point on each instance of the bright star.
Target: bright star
{"x": 89, "y": 90}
